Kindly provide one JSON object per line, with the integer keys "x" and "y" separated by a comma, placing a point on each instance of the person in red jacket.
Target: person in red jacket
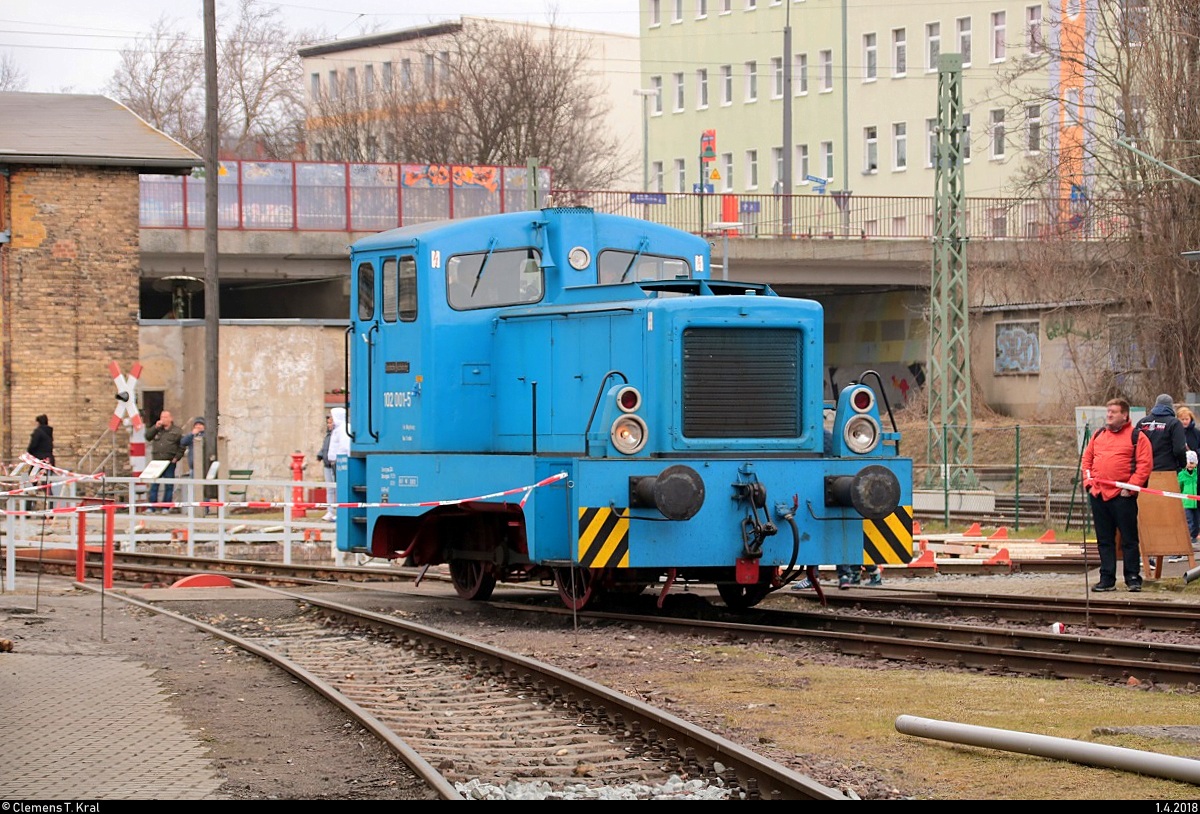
{"x": 1110, "y": 457}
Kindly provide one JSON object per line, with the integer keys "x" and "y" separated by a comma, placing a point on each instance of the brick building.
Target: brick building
{"x": 69, "y": 257}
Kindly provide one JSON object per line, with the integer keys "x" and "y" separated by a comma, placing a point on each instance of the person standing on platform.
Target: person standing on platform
{"x": 327, "y": 466}
{"x": 1187, "y": 485}
{"x": 1162, "y": 524}
{"x": 1165, "y": 431}
{"x": 164, "y": 439}
{"x": 339, "y": 445}
{"x": 1191, "y": 433}
{"x": 189, "y": 442}
{"x": 1113, "y": 456}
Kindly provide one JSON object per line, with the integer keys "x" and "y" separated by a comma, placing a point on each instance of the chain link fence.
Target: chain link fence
{"x": 1015, "y": 475}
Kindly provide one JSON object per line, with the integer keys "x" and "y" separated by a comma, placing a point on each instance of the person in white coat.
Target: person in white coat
{"x": 339, "y": 445}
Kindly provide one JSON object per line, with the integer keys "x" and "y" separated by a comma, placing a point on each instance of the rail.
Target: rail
{"x": 336, "y": 196}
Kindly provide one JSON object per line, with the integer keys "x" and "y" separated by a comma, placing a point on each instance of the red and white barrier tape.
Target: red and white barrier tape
{"x": 1147, "y": 490}
{"x": 253, "y": 504}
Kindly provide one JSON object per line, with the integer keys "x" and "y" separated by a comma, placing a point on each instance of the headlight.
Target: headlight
{"x": 579, "y": 258}
{"x": 861, "y": 434}
{"x": 628, "y": 434}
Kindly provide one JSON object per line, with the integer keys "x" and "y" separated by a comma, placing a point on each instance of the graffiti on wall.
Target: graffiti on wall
{"x": 1018, "y": 349}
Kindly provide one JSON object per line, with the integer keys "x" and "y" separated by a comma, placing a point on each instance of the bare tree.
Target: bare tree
{"x": 12, "y": 78}
{"x": 497, "y": 95}
{"x": 1115, "y": 172}
{"x": 161, "y": 78}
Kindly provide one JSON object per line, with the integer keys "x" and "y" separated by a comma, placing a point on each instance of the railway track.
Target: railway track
{"x": 460, "y": 712}
{"x": 978, "y": 647}
{"x": 1002, "y": 609}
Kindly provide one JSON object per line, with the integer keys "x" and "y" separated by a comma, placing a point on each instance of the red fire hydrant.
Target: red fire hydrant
{"x": 298, "y": 511}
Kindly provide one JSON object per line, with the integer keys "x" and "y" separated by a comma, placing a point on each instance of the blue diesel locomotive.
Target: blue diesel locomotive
{"x": 568, "y": 396}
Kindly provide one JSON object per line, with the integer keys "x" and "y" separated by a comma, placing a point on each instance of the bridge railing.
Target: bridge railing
{"x": 327, "y": 196}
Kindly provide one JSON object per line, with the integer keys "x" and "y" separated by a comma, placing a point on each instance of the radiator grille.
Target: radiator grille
{"x": 741, "y": 383}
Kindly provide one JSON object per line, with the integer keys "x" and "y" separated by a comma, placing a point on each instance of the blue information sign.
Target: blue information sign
{"x": 814, "y": 179}
{"x": 708, "y": 188}
{"x": 648, "y": 197}
{"x": 750, "y": 206}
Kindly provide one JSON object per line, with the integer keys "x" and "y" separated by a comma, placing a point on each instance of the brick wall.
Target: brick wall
{"x": 70, "y": 302}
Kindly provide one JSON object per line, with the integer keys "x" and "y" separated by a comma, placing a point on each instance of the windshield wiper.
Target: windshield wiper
{"x": 641, "y": 249}
{"x": 479, "y": 274}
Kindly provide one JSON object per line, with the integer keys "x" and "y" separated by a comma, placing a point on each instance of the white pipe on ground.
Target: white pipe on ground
{"x": 1092, "y": 754}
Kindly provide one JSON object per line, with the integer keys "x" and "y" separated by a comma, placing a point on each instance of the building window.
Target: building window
{"x": 1130, "y": 118}
{"x": 677, "y": 11}
{"x": 964, "y": 145}
{"x": 776, "y": 77}
{"x": 1034, "y": 37}
{"x": 870, "y": 150}
{"x": 827, "y": 158}
{"x": 430, "y": 70}
{"x": 777, "y": 170}
{"x": 680, "y": 175}
{"x": 1135, "y": 17}
{"x": 962, "y": 28}
{"x": 899, "y": 52}
{"x": 315, "y": 86}
{"x": 998, "y": 36}
{"x": 333, "y": 85}
{"x": 933, "y": 45}
{"x": 388, "y": 77}
{"x": 701, "y": 9}
{"x": 726, "y": 84}
{"x": 751, "y": 5}
{"x": 870, "y": 57}
{"x": 825, "y": 60}
{"x": 679, "y": 92}
{"x": 444, "y": 66}
{"x": 751, "y": 81}
{"x": 997, "y": 121}
{"x": 702, "y": 89}
{"x": 656, "y": 106}
{"x": 800, "y": 75}
{"x": 727, "y": 171}
{"x": 406, "y": 74}
{"x": 931, "y": 137}
{"x": 752, "y": 169}
{"x": 1033, "y": 128}
{"x": 656, "y": 176}
{"x": 802, "y": 170}
{"x": 352, "y": 82}
{"x": 369, "y": 80}
{"x": 900, "y": 146}
{"x": 655, "y": 12}
{"x": 726, "y": 6}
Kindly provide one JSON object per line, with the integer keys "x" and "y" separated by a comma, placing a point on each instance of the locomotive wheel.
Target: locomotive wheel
{"x": 472, "y": 579}
{"x": 743, "y": 597}
{"x": 576, "y": 587}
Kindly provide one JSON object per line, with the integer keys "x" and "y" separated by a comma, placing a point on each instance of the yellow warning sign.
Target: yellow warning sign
{"x": 889, "y": 541}
{"x": 604, "y": 537}
{"x": 716, "y": 176}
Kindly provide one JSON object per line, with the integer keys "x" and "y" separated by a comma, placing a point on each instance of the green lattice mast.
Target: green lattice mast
{"x": 949, "y": 380}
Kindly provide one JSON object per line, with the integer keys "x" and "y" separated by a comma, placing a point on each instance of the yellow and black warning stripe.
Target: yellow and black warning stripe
{"x": 889, "y": 541}
{"x": 604, "y": 537}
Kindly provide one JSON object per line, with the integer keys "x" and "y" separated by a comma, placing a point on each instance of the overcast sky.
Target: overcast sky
{"x": 73, "y": 45}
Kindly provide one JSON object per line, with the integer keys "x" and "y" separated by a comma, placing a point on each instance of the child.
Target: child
{"x": 1187, "y": 485}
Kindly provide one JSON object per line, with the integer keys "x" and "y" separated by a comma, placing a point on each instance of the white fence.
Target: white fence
{"x": 195, "y": 525}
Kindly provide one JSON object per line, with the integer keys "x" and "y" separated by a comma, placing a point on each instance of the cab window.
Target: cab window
{"x": 619, "y": 266}
{"x": 366, "y": 291}
{"x": 487, "y": 280}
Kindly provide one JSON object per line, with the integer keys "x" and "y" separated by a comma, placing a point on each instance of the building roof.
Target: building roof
{"x": 374, "y": 40}
{"x": 63, "y": 128}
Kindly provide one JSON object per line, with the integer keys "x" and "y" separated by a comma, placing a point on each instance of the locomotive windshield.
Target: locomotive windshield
{"x": 615, "y": 267}
{"x": 489, "y": 279}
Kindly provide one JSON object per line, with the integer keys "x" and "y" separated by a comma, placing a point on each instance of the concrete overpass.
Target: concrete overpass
{"x": 287, "y": 273}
